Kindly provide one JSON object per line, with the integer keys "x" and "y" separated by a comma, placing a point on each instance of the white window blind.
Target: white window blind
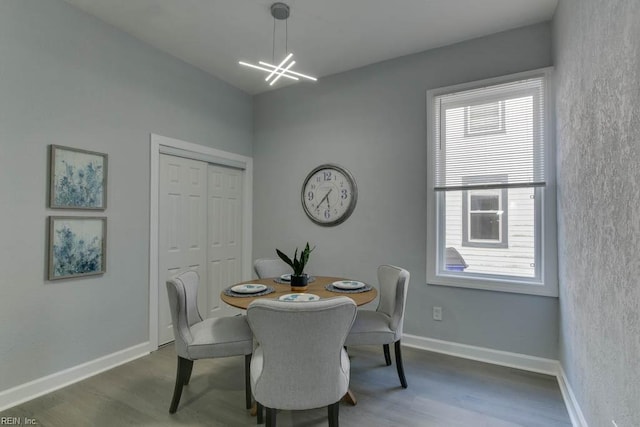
{"x": 517, "y": 151}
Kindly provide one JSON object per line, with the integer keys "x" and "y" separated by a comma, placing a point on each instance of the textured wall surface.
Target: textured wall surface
{"x": 373, "y": 121}
{"x": 597, "y": 58}
{"x": 67, "y": 78}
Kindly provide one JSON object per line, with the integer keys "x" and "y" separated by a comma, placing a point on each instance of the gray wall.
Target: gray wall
{"x": 597, "y": 58}
{"x": 68, "y": 79}
{"x": 372, "y": 121}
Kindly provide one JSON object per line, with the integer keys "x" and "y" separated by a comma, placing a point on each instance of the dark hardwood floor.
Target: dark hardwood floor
{"x": 443, "y": 391}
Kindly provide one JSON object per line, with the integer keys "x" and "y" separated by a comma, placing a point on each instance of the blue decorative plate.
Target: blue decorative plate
{"x": 348, "y": 285}
{"x": 300, "y": 297}
{"x": 249, "y": 288}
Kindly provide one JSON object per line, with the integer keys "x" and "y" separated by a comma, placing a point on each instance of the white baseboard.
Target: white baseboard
{"x": 483, "y": 354}
{"x": 575, "y": 413}
{"x": 25, "y": 392}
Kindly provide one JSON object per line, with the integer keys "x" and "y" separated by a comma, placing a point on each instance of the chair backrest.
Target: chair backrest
{"x": 300, "y": 345}
{"x": 183, "y": 304}
{"x": 393, "y": 282}
{"x": 266, "y": 267}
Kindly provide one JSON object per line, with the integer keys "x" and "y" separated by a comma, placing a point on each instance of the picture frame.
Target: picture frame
{"x": 77, "y": 179}
{"x": 77, "y": 246}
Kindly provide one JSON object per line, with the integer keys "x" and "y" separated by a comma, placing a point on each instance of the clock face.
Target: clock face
{"x": 329, "y": 195}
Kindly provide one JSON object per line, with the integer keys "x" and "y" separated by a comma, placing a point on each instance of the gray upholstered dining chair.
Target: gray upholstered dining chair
{"x": 266, "y": 267}
{"x": 384, "y": 326}
{"x": 196, "y": 338}
{"x": 299, "y": 362}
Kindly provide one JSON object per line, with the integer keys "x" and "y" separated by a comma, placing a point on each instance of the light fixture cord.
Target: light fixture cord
{"x": 273, "y": 50}
{"x": 286, "y": 39}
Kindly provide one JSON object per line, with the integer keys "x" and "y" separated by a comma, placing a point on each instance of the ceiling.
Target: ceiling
{"x": 326, "y": 36}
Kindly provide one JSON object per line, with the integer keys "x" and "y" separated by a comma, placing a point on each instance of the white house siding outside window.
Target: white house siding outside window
{"x": 491, "y": 190}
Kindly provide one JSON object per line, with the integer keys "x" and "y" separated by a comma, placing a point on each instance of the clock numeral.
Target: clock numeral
{"x": 310, "y": 195}
{"x": 344, "y": 193}
{"x": 327, "y": 214}
{"x": 327, "y": 175}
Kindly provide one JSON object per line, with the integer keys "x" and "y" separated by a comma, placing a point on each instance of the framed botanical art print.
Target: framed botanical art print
{"x": 77, "y": 246}
{"x": 78, "y": 179}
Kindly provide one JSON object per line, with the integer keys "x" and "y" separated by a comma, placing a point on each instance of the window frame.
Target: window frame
{"x": 546, "y": 281}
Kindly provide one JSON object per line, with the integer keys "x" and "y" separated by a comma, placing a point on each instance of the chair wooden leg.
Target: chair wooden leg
{"x": 187, "y": 374}
{"x": 247, "y": 380}
{"x": 399, "y": 366}
{"x": 271, "y": 417}
{"x": 182, "y": 377}
{"x": 259, "y": 413}
{"x": 387, "y": 355}
{"x": 334, "y": 410}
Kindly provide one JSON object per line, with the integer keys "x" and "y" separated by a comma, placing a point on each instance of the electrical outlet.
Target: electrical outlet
{"x": 437, "y": 313}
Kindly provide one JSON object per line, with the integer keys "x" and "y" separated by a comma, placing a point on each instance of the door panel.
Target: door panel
{"x": 182, "y": 230}
{"x": 225, "y": 234}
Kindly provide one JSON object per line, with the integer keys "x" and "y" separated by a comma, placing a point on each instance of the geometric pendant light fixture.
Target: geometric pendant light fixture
{"x": 284, "y": 68}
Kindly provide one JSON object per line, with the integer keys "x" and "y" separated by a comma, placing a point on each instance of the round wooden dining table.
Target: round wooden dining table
{"x": 317, "y": 287}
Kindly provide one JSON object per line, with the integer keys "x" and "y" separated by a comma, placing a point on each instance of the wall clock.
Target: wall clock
{"x": 329, "y": 195}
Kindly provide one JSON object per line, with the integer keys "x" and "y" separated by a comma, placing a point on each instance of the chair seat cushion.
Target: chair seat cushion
{"x": 220, "y": 337}
{"x": 371, "y": 328}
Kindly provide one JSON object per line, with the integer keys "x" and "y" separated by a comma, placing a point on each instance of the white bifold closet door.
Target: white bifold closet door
{"x": 200, "y": 228}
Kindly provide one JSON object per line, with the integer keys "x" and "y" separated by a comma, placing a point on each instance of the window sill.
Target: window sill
{"x": 496, "y": 285}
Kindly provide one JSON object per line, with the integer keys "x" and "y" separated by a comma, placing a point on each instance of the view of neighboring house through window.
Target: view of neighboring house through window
{"x": 487, "y": 197}
{"x": 483, "y": 119}
{"x": 485, "y": 218}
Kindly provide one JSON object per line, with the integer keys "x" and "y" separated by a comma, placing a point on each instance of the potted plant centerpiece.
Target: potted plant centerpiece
{"x": 299, "y": 280}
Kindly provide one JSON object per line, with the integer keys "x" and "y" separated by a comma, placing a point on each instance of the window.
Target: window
{"x": 490, "y": 193}
{"x": 484, "y": 119}
{"x": 485, "y": 215}
{"x": 485, "y": 218}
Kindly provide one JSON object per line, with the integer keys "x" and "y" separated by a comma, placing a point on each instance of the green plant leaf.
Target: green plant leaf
{"x": 297, "y": 269}
{"x": 296, "y": 263}
{"x": 284, "y": 257}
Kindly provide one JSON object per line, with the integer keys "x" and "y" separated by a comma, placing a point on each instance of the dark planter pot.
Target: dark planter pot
{"x": 299, "y": 283}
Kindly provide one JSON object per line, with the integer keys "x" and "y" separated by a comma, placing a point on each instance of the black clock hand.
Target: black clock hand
{"x": 319, "y": 203}
{"x": 323, "y": 199}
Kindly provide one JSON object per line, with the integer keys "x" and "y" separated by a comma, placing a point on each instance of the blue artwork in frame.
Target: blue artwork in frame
{"x": 77, "y": 246}
{"x": 78, "y": 179}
